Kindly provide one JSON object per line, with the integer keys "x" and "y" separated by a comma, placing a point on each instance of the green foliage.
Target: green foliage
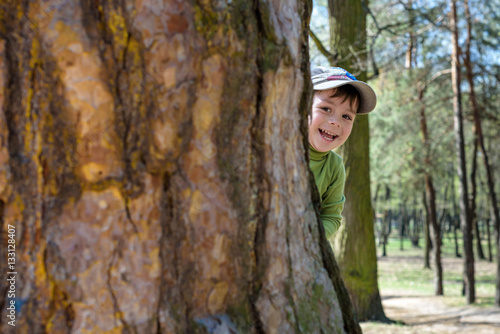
{"x": 397, "y": 148}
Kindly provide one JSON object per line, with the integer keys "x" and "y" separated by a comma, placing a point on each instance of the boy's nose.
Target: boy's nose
{"x": 333, "y": 121}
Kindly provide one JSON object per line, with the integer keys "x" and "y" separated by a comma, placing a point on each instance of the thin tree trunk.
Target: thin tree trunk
{"x": 145, "y": 169}
{"x": 375, "y": 197}
{"x": 479, "y": 246}
{"x": 386, "y": 222}
{"x": 441, "y": 222}
{"x": 411, "y": 40}
{"x": 461, "y": 165}
{"x": 472, "y": 201}
{"x": 444, "y": 211}
{"x": 402, "y": 224}
{"x": 420, "y": 220}
{"x": 479, "y": 137}
{"x": 374, "y": 205}
{"x": 415, "y": 227}
{"x": 488, "y": 233}
{"x": 388, "y": 230}
{"x": 385, "y": 234}
{"x": 427, "y": 250}
{"x": 435, "y": 233}
{"x": 431, "y": 198}
{"x": 456, "y": 227}
{"x": 454, "y": 217}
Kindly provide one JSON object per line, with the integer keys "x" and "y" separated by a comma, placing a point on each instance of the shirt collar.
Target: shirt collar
{"x": 315, "y": 155}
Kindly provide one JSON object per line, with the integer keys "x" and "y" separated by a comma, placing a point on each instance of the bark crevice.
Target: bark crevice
{"x": 258, "y": 158}
{"x": 129, "y": 216}
{"x": 118, "y": 314}
{"x": 173, "y": 300}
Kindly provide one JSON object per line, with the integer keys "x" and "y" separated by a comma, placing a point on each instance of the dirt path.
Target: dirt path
{"x": 429, "y": 314}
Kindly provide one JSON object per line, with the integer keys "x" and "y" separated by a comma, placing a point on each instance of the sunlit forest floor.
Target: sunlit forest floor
{"x": 407, "y": 292}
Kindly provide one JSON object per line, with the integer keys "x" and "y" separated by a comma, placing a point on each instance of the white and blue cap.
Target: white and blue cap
{"x": 324, "y": 78}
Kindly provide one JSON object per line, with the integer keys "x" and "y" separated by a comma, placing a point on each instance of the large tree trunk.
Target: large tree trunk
{"x": 461, "y": 168}
{"x": 355, "y": 240}
{"x": 478, "y": 133}
{"x": 153, "y": 168}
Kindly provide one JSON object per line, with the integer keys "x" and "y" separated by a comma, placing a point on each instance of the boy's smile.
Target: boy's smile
{"x": 327, "y": 135}
{"x": 331, "y": 121}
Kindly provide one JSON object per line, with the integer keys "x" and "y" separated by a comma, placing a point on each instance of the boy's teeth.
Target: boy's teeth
{"x": 328, "y": 132}
{"x": 327, "y": 135}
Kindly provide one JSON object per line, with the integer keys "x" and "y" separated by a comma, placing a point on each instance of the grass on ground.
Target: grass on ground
{"x": 411, "y": 278}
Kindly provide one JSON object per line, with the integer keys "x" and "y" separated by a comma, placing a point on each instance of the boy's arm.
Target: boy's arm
{"x": 333, "y": 203}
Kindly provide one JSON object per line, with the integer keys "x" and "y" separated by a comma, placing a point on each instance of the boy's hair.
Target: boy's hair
{"x": 346, "y": 93}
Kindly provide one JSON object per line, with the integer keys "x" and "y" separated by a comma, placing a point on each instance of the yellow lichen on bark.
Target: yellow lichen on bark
{"x": 216, "y": 297}
{"x": 169, "y": 165}
{"x": 117, "y": 27}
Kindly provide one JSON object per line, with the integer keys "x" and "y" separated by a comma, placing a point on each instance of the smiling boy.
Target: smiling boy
{"x": 338, "y": 99}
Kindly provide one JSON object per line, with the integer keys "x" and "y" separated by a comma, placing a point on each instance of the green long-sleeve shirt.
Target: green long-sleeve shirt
{"x": 329, "y": 174}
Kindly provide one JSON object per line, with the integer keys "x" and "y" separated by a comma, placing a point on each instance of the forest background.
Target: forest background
{"x": 414, "y": 151}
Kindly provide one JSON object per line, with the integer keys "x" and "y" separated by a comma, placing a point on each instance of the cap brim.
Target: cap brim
{"x": 368, "y": 96}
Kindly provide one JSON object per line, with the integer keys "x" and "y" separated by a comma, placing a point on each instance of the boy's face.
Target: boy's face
{"x": 331, "y": 121}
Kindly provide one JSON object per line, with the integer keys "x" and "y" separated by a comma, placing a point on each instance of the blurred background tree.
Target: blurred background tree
{"x": 354, "y": 242}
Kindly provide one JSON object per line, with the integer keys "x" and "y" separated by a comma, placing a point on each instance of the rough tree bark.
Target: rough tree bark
{"x": 465, "y": 222}
{"x": 354, "y": 243}
{"x": 153, "y": 164}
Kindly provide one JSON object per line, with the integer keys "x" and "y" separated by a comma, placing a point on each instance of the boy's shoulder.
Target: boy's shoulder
{"x": 336, "y": 158}
{"x": 336, "y": 163}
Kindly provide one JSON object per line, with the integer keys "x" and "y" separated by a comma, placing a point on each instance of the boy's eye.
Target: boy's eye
{"x": 347, "y": 117}
{"x": 325, "y": 109}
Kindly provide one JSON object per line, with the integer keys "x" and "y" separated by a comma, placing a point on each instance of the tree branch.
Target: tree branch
{"x": 332, "y": 57}
{"x": 422, "y": 86}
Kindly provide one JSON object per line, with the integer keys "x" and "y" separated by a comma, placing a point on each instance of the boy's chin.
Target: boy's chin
{"x": 323, "y": 148}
